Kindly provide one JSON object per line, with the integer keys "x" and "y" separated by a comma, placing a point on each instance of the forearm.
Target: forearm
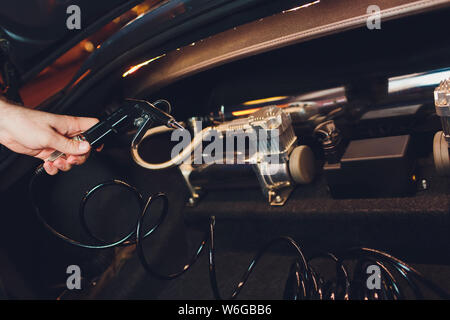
{"x": 5, "y": 110}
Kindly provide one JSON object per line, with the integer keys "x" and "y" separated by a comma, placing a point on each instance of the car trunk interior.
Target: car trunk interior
{"x": 413, "y": 227}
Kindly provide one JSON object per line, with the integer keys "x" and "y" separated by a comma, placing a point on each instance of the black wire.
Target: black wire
{"x": 342, "y": 276}
{"x": 253, "y": 263}
{"x": 126, "y": 240}
{"x": 81, "y": 211}
{"x": 139, "y": 240}
{"x": 39, "y": 171}
{"x": 307, "y": 283}
{"x": 389, "y": 289}
{"x": 408, "y": 273}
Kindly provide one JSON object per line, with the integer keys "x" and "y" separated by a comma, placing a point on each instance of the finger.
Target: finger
{"x": 73, "y": 160}
{"x": 62, "y": 164}
{"x": 69, "y": 126}
{"x": 66, "y": 167}
{"x": 50, "y": 169}
{"x": 100, "y": 148}
{"x": 68, "y": 146}
{"x": 77, "y": 160}
{"x": 58, "y": 163}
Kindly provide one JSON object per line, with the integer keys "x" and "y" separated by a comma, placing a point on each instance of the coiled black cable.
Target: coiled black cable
{"x": 124, "y": 241}
{"x": 303, "y": 282}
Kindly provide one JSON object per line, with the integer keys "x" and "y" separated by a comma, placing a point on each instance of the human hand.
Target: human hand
{"x": 39, "y": 134}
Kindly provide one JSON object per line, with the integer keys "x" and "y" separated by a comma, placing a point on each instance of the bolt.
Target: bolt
{"x": 191, "y": 200}
{"x": 424, "y": 184}
{"x": 278, "y": 199}
{"x": 138, "y": 122}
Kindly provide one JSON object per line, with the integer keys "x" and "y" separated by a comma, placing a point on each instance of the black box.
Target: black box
{"x": 377, "y": 167}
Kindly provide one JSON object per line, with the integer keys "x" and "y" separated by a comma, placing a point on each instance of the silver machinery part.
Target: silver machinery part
{"x": 442, "y": 103}
{"x": 186, "y": 169}
{"x": 294, "y": 164}
{"x": 277, "y": 179}
{"x": 442, "y": 138}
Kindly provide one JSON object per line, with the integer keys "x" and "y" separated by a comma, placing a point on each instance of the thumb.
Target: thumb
{"x": 69, "y": 146}
{"x": 69, "y": 125}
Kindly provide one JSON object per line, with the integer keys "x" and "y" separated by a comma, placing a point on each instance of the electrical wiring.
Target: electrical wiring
{"x": 304, "y": 282}
{"x": 128, "y": 239}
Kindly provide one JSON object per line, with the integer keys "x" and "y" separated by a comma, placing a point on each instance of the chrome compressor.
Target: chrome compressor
{"x": 441, "y": 141}
{"x": 264, "y": 142}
